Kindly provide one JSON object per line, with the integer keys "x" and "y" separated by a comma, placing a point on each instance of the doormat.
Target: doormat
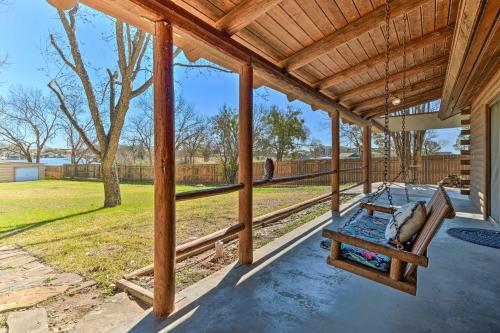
{"x": 485, "y": 237}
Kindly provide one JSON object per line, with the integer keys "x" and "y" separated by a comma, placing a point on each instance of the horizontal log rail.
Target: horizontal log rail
{"x": 207, "y": 242}
{"x": 190, "y": 195}
{"x": 264, "y": 182}
{"x": 353, "y": 169}
{"x": 208, "y": 239}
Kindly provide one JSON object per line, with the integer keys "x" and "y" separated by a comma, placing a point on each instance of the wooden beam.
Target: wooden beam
{"x": 394, "y": 53}
{"x": 164, "y": 171}
{"x": 379, "y": 100}
{"x": 63, "y": 4}
{"x": 425, "y": 97}
{"x": 335, "y": 178}
{"x": 475, "y": 54}
{"x": 351, "y": 31}
{"x": 367, "y": 158}
{"x": 246, "y": 164}
{"x": 424, "y": 67}
{"x": 243, "y": 14}
{"x": 187, "y": 23}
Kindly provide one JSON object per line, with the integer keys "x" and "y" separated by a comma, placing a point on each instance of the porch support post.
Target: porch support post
{"x": 367, "y": 159}
{"x": 164, "y": 171}
{"x": 335, "y": 161}
{"x": 246, "y": 163}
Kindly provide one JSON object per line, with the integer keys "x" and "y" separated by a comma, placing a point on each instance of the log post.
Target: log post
{"x": 164, "y": 171}
{"x": 335, "y": 180}
{"x": 367, "y": 159}
{"x": 245, "y": 167}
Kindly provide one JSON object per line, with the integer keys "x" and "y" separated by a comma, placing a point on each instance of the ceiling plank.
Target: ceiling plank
{"x": 243, "y": 14}
{"x": 394, "y": 53}
{"x": 190, "y": 25}
{"x": 362, "y": 25}
{"x": 424, "y": 67}
{"x": 422, "y": 98}
{"x": 407, "y": 91}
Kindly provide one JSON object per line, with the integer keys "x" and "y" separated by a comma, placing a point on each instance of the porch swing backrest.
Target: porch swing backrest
{"x": 438, "y": 208}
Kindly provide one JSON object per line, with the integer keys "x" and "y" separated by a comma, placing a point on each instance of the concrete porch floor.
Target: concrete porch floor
{"x": 290, "y": 288}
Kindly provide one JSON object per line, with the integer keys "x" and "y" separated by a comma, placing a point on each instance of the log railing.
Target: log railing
{"x": 190, "y": 195}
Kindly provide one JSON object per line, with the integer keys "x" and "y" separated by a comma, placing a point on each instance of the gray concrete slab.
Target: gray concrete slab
{"x": 290, "y": 288}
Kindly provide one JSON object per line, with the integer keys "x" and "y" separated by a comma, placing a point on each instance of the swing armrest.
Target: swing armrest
{"x": 401, "y": 255}
{"x": 371, "y": 208}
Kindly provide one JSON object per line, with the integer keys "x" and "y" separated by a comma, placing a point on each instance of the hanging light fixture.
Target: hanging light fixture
{"x": 396, "y": 100}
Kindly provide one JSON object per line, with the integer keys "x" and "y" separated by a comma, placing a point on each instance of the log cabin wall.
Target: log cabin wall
{"x": 479, "y": 177}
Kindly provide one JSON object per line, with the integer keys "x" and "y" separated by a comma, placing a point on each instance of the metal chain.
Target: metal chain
{"x": 387, "y": 133}
{"x": 404, "y": 161}
{"x": 384, "y": 185}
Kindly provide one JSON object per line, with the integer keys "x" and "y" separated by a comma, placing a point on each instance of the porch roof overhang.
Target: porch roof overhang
{"x": 474, "y": 57}
{"x": 326, "y": 54}
{"x": 423, "y": 121}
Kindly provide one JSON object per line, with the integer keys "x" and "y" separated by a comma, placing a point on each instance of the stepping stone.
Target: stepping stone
{"x": 30, "y": 321}
{"x": 17, "y": 261}
{"x": 70, "y": 279}
{"x": 19, "y": 299}
{"x": 9, "y": 247}
{"x": 112, "y": 314}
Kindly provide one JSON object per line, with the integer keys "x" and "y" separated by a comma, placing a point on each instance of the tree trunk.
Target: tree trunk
{"x": 112, "y": 195}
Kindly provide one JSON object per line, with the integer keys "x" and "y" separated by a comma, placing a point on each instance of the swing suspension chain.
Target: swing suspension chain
{"x": 387, "y": 134}
{"x": 384, "y": 186}
{"x": 404, "y": 161}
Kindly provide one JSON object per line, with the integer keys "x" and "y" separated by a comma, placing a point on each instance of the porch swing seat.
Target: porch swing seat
{"x": 372, "y": 229}
{"x": 362, "y": 249}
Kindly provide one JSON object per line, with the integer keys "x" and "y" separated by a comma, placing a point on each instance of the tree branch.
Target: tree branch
{"x": 71, "y": 119}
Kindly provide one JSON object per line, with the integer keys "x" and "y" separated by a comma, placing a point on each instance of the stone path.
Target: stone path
{"x": 25, "y": 282}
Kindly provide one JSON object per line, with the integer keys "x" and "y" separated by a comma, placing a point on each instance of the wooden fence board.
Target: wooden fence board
{"x": 433, "y": 169}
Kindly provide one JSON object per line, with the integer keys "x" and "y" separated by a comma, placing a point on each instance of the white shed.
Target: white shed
{"x": 21, "y": 171}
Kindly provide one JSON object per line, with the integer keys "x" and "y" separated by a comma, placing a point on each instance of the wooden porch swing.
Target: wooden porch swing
{"x": 402, "y": 274}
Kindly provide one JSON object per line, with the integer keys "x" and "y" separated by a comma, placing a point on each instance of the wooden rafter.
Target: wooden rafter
{"x": 243, "y": 14}
{"x": 379, "y": 100}
{"x": 394, "y": 53}
{"x": 351, "y": 31}
{"x": 190, "y": 25}
{"x": 424, "y": 67}
{"x": 424, "y": 97}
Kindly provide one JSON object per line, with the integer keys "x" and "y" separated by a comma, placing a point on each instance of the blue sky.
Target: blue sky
{"x": 24, "y": 34}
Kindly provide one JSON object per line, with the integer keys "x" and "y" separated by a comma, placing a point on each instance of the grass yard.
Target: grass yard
{"x": 63, "y": 222}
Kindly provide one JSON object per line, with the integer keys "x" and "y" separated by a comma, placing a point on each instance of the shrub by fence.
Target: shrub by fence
{"x": 432, "y": 170}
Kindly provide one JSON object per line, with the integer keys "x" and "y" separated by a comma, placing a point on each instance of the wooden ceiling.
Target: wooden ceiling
{"x": 335, "y": 47}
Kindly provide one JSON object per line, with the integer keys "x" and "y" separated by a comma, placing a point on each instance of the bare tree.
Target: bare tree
{"x": 119, "y": 88}
{"x": 140, "y": 130}
{"x": 224, "y": 127}
{"x": 79, "y": 152}
{"x": 352, "y": 135}
{"x": 27, "y": 122}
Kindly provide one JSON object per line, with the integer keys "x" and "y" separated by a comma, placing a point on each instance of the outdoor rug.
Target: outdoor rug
{"x": 485, "y": 237}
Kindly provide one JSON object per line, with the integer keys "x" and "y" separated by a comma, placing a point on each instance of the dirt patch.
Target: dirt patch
{"x": 198, "y": 267}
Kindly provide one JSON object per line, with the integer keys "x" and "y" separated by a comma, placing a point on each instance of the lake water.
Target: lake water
{"x": 47, "y": 161}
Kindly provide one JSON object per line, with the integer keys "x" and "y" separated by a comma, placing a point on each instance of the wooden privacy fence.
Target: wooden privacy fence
{"x": 432, "y": 170}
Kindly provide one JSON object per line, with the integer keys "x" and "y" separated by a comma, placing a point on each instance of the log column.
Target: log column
{"x": 367, "y": 159}
{"x": 164, "y": 171}
{"x": 335, "y": 161}
{"x": 245, "y": 165}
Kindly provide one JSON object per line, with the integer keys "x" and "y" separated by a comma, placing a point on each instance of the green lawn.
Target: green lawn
{"x": 64, "y": 223}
